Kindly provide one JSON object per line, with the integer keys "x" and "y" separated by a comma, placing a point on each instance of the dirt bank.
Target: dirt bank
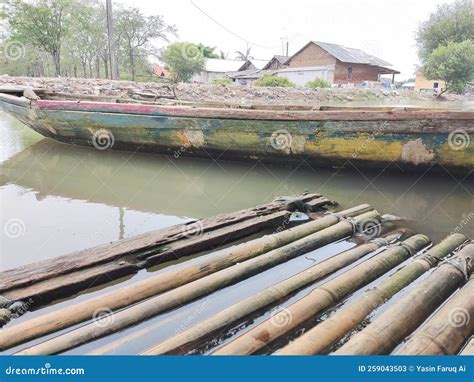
{"x": 239, "y": 94}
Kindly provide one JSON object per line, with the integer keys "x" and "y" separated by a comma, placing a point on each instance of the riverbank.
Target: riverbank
{"x": 241, "y": 94}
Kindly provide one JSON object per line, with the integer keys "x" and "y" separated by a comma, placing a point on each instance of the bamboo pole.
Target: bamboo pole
{"x": 447, "y": 331}
{"x": 188, "y": 292}
{"x": 402, "y": 318}
{"x": 318, "y": 339}
{"x": 323, "y": 297}
{"x": 468, "y": 349}
{"x": 163, "y": 282}
{"x": 185, "y": 340}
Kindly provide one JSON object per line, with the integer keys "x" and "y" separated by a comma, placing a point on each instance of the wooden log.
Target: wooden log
{"x": 402, "y": 318}
{"x": 468, "y": 349}
{"x": 184, "y": 341}
{"x": 125, "y": 296}
{"x": 35, "y": 272}
{"x": 322, "y": 298}
{"x": 188, "y": 292}
{"x": 318, "y": 339}
{"x": 447, "y": 331}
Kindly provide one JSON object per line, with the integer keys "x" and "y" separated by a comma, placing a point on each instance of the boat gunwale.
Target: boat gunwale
{"x": 192, "y": 111}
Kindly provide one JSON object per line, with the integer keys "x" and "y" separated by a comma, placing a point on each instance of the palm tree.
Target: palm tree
{"x": 244, "y": 56}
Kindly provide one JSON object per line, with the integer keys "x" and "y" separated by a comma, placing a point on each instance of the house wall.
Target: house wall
{"x": 312, "y": 55}
{"x": 207, "y": 77}
{"x": 360, "y": 73}
{"x": 421, "y": 83}
{"x": 301, "y": 77}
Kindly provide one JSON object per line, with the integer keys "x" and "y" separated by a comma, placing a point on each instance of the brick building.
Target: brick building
{"x": 349, "y": 65}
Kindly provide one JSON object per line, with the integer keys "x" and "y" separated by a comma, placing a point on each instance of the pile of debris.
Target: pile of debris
{"x": 228, "y": 93}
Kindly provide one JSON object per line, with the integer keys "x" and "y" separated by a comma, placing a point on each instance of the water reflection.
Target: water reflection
{"x": 72, "y": 197}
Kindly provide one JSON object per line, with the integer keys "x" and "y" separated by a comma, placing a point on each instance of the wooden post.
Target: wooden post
{"x": 402, "y": 318}
{"x": 201, "y": 287}
{"x": 318, "y": 339}
{"x": 323, "y": 297}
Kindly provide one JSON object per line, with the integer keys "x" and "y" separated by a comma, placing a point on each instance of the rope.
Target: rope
{"x": 463, "y": 265}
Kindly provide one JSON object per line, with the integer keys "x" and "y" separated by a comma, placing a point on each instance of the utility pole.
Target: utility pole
{"x": 111, "y": 38}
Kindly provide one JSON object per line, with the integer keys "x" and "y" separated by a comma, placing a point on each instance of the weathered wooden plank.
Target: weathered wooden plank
{"x": 155, "y": 243}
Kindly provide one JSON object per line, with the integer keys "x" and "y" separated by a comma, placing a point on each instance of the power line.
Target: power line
{"x": 227, "y": 29}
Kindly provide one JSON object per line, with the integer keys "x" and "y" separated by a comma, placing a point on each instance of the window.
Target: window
{"x": 435, "y": 85}
{"x": 349, "y": 73}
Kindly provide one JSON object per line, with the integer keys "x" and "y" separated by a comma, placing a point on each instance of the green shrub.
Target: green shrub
{"x": 223, "y": 81}
{"x": 269, "y": 80}
{"x": 318, "y": 83}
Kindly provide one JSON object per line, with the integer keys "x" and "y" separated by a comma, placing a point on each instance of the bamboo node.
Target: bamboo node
{"x": 463, "y": 265}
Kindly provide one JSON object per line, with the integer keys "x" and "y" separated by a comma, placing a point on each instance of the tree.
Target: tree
{"x": 184, "y": 60}
{"x": 449, "y": 23}
{"x": 207, "y": 51}
{"x": 244, "y": 56}
{"x": 274, "y": 81}
{"x": 135, "y": 31}
{"x": 453, "y": 63}
{"x": 43, "y": 23}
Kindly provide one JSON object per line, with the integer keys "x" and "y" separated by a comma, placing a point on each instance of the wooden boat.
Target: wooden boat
{"x": 404, "y": 138}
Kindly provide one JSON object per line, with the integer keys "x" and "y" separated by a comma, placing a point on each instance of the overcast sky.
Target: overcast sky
{"x": 385, "y": 28}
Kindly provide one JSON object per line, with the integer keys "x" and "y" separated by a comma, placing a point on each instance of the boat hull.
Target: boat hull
{"x": 407, "y": 141}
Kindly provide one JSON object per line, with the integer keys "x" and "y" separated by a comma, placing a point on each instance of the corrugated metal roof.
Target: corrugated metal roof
{"x": 222, "y": 66}
{"x": 351, "y": 55}
{"x": 281, "y": 59}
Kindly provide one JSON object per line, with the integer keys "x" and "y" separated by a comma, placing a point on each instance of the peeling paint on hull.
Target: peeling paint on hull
{"x": 415, "y": 141}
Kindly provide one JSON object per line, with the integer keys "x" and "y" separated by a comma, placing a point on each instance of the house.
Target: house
{"x": 423, "y": 84}
{"x": 277, "y": 62}
{"x": 252, "y": 64}
{"x": 248, "y": 77}
{"x": 160, "y": 71}
{"x": 300, "y": 76}
{"x": 216, "y": 69}
{"x": 350, "y": 65}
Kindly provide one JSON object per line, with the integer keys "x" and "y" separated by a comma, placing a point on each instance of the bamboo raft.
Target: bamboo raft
{"x": 397, "y": 138}
{"x": 290, "y": 277}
